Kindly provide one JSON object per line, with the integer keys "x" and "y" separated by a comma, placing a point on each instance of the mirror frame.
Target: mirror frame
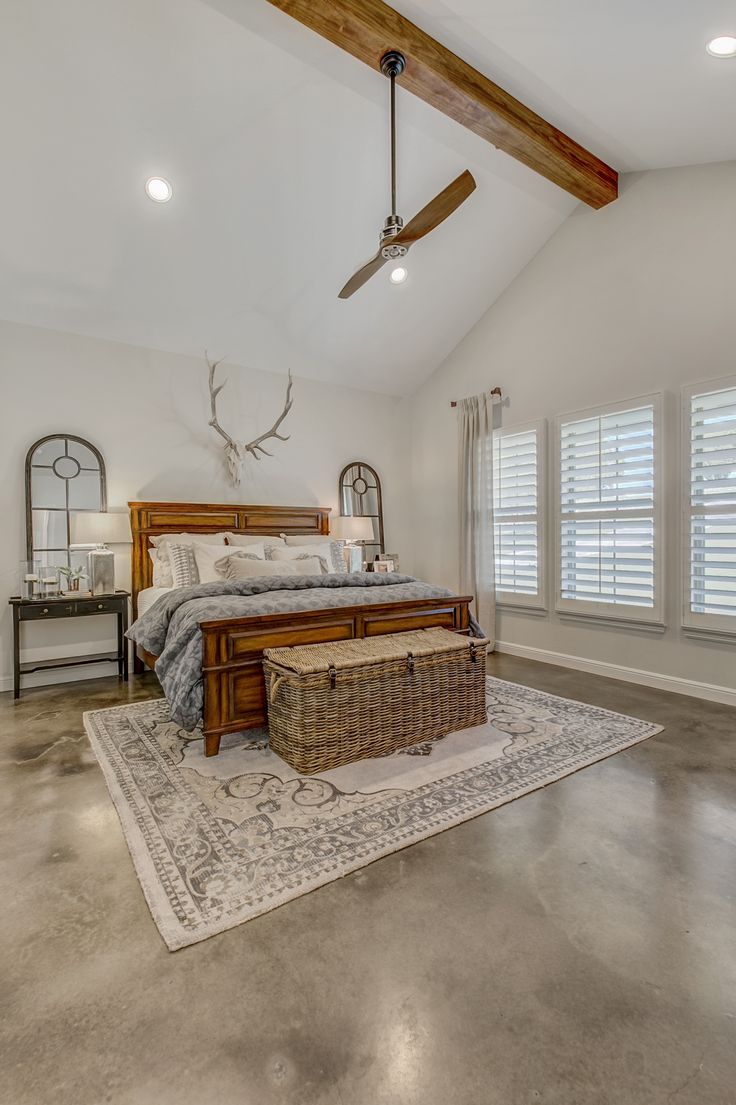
{"x": 379, "y": 495}
{"x": 29, "y": 503}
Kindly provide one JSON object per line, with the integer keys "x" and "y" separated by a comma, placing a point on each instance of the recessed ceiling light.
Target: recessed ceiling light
{"x": 722, "y": 47}
{"x": 158, "y": 189}
{"x": 398, "y": 276}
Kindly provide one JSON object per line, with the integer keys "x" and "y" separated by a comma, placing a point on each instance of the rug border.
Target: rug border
{"x": 142, "y": 864}
{"x": 165, "y": 919}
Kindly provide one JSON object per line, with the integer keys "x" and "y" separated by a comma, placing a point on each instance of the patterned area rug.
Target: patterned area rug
{"x": 218, "y": 841}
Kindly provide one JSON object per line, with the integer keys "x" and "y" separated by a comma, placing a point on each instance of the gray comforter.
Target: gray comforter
{"x": 170, "y": 628}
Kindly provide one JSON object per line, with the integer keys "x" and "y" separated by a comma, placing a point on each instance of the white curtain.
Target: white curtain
{"x": 475, "y": 471}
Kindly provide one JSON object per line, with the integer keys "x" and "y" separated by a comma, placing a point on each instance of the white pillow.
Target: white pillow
{"x": 207, "y": 557}
{"x": 162, "y": 575}
{"x": 241, "y": 567}
{"x": 164, "y": 540}
{"x": 183, "y": 565}
{"x": 253, "y": 539}
{"x": 329, "y": 552}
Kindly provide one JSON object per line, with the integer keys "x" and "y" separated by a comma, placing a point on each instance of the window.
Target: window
{"x": 518, "y": 514}
{"x": 709, "y": 438}
{"x": 608, "y": 512}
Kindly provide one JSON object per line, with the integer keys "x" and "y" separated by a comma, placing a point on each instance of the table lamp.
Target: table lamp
{"x": 100, "y": 530}
{"x": 352, "y": 529}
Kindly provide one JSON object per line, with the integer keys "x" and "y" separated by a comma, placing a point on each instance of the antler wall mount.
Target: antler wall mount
{"x": 235, "y": 452}
{"x": 395, "y": 238}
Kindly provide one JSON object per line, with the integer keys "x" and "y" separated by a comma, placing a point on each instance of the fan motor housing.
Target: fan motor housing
{"x": 394, "y": 251}
{"x": 391, "y": 250}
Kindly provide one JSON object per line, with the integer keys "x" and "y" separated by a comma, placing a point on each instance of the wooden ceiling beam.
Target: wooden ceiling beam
{"x": 367, "y": 29}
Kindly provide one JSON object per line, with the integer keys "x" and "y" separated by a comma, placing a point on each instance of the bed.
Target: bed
{"x": 232, "y": 688}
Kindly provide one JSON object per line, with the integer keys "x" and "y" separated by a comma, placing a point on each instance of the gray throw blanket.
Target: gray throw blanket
{"x": 170, "y": 628}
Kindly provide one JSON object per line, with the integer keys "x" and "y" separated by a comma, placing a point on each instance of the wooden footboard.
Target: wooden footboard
{"x": 232, "y": 658}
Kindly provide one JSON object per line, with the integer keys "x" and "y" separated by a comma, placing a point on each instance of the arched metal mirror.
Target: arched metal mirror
{"x": 64, "y": 475}
{"x": 360, "y": 497}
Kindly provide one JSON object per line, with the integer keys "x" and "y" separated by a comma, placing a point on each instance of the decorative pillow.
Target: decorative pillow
{"x": 222, "y": 565}
{"x": 329, "y": 552}
{"x": 163, "y": 541}
{"x": 243, "y": 567}
{"x": 183, "y": 566}
{"x": 207, "y": 558}
{"x": 162, "y": 576}
{"x": 253, "y": 539}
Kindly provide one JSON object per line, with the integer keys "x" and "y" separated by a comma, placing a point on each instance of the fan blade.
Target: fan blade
{"x": 358, "y": 279}
{"x": 437, "y": 210}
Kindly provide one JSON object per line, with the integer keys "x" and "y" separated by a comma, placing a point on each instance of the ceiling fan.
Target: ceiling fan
{"x": 396, "y": 239}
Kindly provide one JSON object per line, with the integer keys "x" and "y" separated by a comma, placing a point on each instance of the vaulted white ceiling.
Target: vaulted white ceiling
{"x": 276, "y": 144}
{"x": 630, "y": 79}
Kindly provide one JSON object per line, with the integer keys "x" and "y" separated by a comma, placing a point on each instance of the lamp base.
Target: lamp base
{"x": 101, "y": 570}
{"x": 353, "y": 555}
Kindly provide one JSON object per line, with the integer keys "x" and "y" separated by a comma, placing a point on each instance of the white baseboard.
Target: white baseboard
{"x": 62, "y": 675}
{"x": 674, "y": 683}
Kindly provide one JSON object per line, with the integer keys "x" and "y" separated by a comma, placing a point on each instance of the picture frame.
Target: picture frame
{"x": 392, "y": 558}
{"x": 383, "y": 566}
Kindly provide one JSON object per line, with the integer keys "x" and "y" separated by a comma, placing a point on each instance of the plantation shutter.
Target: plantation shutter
{"x": 607, "y": 512}
{"x": 712, "y": 508}
{"x": 516, "y": 514}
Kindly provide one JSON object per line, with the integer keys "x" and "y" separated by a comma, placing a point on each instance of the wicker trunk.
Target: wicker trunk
{"x": 342, "y": 701}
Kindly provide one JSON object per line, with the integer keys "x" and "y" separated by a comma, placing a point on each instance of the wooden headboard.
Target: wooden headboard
{"x": 151, "y": 519}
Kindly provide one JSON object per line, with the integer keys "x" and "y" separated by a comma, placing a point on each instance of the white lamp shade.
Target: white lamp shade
{"x": 352, "y": 529}
{"x": 91, "y": 528}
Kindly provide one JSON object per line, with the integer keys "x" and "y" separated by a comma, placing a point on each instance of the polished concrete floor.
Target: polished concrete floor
{"x": 577, "y": 947}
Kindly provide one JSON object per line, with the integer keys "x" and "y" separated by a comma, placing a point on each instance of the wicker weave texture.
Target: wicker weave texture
{"x": 350, "y": 711}
{"x": 357, "y": 652}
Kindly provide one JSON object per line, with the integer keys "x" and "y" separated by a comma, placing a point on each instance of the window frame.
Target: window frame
{"x": 719, "y": 627}
{"x": 509, "y": 600}
{"x": 623, "y": 614}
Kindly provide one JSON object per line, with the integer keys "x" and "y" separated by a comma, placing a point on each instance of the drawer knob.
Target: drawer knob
{"x": 45, "y": 610}
{"x": 100, "y": 606}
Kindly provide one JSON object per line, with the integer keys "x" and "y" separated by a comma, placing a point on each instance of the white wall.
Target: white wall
{"x": 636, "y": 298}
{"x": 147, "y": 412}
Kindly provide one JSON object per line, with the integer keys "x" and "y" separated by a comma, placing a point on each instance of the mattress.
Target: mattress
{"x": 148, "y": 596}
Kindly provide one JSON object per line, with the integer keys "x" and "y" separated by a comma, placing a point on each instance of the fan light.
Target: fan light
{"x": 158, "y": 189}
{"x": 722, "y": 47}
{"x": 398, "y": 276}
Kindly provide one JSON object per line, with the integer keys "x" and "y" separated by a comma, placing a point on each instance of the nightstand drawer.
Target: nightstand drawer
{"x": 108, "y": 605}
{"x": 42, "y": 611}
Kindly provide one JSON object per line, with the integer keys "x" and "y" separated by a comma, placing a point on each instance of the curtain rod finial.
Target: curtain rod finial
{"x": 493, "y": 391}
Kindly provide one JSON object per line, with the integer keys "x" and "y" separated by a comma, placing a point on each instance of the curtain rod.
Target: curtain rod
{"x": 493, "y": 391}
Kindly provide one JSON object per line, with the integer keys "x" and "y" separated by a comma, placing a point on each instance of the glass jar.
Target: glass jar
{"x": 30, "y": 579}
{"x": 50, "y": 586}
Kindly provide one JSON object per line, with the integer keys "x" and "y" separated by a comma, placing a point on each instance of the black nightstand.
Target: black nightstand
{"x": 36, "y": 610}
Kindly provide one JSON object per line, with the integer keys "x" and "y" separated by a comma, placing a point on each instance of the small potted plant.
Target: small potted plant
{"x": 73, "y": 577}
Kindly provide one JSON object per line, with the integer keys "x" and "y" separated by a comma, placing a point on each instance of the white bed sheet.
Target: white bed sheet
{"x": 148, "y": 596}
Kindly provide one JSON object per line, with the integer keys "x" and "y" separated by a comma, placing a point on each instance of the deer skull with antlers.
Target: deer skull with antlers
{"x": 234, "y": 451}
